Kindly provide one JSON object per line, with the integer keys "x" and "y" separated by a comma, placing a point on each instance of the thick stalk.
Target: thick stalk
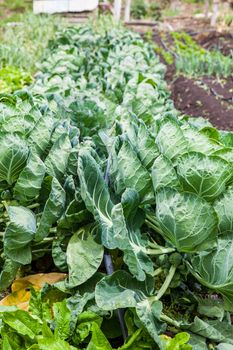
{"x": 159, "y": 251}
{"x": 165, "y": 285}
{"x": 170, "y": 321}
{"x": 157, "y": 272}
{"x": 154, "y": 227}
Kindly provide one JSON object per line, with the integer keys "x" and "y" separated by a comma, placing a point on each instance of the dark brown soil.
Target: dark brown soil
{"x": 206, "y": 98}
{"x": 213, "y": 40}
{"x": 202, "y": 97}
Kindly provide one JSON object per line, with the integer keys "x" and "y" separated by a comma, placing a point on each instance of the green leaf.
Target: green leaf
{"x": 163, "y": 174}
{"x": 13, "y": 157}
{"x": 94, "y": 192}
{"x": 8, "y": 273}
{"x": 199, "y": 142}
{"x": 204, "y": 175}
{"x": 224, "y": 346}
{"x": 213, "y": 330}
{"x": 62, "y": 316}
{"x": 39, "y": 138}
{"x": 22, "y": 323}
{"x": 54, "y": 344}
{"x": 57, "y": 159}
{"x": 170, "y": 139}
{"x": 30, "y": 179}
{"x": 133, "y": 173}
{"x": 84, "y": 257}
{"x": 187, "y": 221}
{"x": 223, "y": 208}
{"x": 119, "y": 290}
{"x": 198, "y": 342}
{"x": 98, "y": 339}
{"x": 214, "y": 269}
{"x": 179, "y": 342}
{"x": 19, "y": 234}
{"x": 53, "y": 209}
{"x": 149, "y": 315}
{"x": 145, "y": 145}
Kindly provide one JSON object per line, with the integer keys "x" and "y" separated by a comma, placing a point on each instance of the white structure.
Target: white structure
{"x": 55, "y": 6}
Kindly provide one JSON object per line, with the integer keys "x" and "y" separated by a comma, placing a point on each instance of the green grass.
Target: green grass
{"x": 168, "y": 12}
{"x": 23, "y": 43}
{"x": 16, "y": 5}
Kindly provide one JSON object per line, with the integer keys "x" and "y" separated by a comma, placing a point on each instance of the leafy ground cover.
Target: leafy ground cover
{"x": 22, "y": 46}
{"x": 103, "y": 181}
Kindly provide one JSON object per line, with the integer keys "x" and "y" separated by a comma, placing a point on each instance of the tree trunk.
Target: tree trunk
{"x": 127, "y": 10}
{"x": 207, "y": 7}
{"x": 117, "y": 9}
{"x": 215, "y": 12}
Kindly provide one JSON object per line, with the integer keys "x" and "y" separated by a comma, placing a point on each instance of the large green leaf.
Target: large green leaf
{"x": 132, "y": 171}
{"x": 19, "y": 234}
{"x": 214, "y": 269}
{"x": 53, "y": 210}
{"x": 8, "y": 273}
{"x": 149, "y": 314}
{"x": 120, "y": 290}
{"x": 145, "y": 145}
{"x": 163, "y": 174}
{"x": 199, "y": 142}
{"x": 57, "y": 159}
{"x": 84, "y": 257}
{"x": 23, "y": 323}
{"x": 95, "y": 194}
{"x": 98, "y": 339}
{"x": 205, "y": 175}
{"x": 223, "y": 208}
{"x": 187, "y": 221}
{"x": 39, "y": 138}
{"x": 30, "y": 179}
{"x": 170, "y": 139}
{"x": 13, "y": 157}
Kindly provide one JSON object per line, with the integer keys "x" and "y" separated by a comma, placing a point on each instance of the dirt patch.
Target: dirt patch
{"x": 206, "y": 98}
{"x": 214, "y": 40}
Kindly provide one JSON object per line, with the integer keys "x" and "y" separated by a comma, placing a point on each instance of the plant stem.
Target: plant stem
{"x": 41, "y": 251}
{"x": 165, "y": 285}
{"x": 154, "y": 227}
{"x": 169, "y": 320}
{"x": 34, "y": 205}
{"x": 157, "y": 272}
{"x": 159, "y": 251}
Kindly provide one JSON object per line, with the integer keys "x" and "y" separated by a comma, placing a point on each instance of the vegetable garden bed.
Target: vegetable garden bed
{"x": 127, "y": 202}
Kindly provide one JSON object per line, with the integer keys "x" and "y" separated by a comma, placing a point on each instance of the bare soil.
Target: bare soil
{"x": 206, "y": 97}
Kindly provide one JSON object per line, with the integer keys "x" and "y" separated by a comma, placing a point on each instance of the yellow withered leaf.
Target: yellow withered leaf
{"x": 37, "y": 281}
{"x": 21, "y": 294}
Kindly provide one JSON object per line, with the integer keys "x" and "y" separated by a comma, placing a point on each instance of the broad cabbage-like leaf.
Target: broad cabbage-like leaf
{"x": 13, "y": 157}
{"x": 84, "y": 257}
{"x": 19, "y": 234}
{"x": 53, "y": 210}
{"x": 223, "y": 208}
{"x": 163, "y": 174}
{"x": 187, "y": 221}
{"x": 204, "y": 175}
{"x": 133, "y": 173}
{"x": 170, "y": 139}
{"x": 57, "y": 159}
{"x": 112, "y": 223}
{"x": 214, "y": 269}
{"x": 30, "y": 179}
